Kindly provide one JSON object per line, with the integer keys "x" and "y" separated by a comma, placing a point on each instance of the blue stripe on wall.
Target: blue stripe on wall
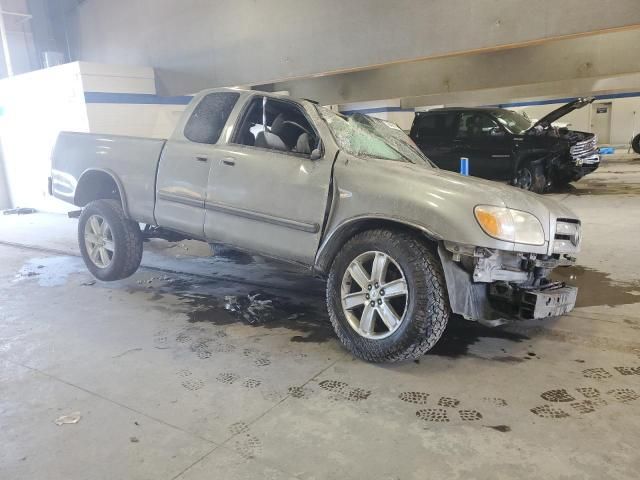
{"x": 135, "y": 98}
{"x": 152, "y": 99}
{"x": 500, "y": 105}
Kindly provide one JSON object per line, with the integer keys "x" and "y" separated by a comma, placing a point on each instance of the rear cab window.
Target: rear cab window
{"x": 210, "y": 116}
{"x": 430, "y": 125}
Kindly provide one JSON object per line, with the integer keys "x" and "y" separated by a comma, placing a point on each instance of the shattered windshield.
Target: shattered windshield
{"x": 364, "y": 136}
{"x": 513, "y": 121}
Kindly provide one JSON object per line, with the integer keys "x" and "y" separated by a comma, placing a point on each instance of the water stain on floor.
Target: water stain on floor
{"x": 460, "y": 334}
{"x": 209, "y": 302}
{"x": 50, "y": 271}
{"x": 597, "y": 288}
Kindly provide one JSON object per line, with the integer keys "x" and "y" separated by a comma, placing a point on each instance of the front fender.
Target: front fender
{"x": 335, "y": 238}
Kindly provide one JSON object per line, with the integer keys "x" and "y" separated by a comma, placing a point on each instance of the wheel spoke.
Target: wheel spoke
{"x": 353, "y": 300}
{"x": 108, "y": 245}
{"x": 379, "y": 269}
{"x": 95, "y": 226}
{"x": 104, "y": 256}
{"x": 367, "y": 319}
{"x": 359, "y": 274}
{"x": 388, "y": 315}
{"x": 93, "y": 254}
{"x": 395, "y": 288}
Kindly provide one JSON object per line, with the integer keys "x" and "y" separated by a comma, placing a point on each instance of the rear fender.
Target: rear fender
{"x": 93, "y": 185}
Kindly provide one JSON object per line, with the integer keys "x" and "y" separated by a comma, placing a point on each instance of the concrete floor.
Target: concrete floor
{"x": 226, "y": 368}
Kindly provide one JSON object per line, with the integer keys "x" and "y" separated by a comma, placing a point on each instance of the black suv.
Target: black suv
{"x": 507, "y": 146}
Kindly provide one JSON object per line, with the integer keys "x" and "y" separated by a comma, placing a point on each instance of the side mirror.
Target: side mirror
{"x": 316, "y": 154}
{"x": 497, "y": 132}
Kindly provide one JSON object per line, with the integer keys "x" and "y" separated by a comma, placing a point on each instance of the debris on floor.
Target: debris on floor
{"x": 19, "y": 211}
{"x": 70, "y": 419}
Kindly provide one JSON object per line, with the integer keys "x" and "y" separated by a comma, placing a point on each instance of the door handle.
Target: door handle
{"x": 201, "y": 158}
{"x": 229, "y": 161}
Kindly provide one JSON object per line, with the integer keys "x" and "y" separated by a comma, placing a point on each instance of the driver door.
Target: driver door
{"x": 265, "y": 193}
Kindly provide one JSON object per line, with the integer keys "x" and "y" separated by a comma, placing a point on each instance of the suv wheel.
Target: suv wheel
{"x": 387, "y": 297}
{"x": 635, "y": 143}
{"x": 531, "y": 177}
{"x": 111, "y": 245}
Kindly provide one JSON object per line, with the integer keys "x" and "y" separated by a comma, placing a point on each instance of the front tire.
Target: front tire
{"x": 635, "y": 143}
{"x": 387, "y": 297}
{"x": 531, "y": 177}
{"x": 111, "y": 244}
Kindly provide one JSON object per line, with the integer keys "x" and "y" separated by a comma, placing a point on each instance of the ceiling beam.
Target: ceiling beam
{"x": 195, "y": 44}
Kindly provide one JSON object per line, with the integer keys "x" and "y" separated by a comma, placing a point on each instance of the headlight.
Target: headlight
{"x": 509, "y": 225}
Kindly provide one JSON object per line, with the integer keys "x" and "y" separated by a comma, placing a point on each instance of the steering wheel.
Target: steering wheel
{"x": 289, "y": 122}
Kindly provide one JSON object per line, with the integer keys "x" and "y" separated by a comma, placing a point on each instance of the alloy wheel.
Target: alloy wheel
{"x": 374, "y": 295}
{"x": 98, "y": 239}
{"x": 525, "y": 179}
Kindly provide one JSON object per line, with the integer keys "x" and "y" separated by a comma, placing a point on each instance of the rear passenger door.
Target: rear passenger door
{"x": 433, "y": 134}
{"x": 183, "y": 172}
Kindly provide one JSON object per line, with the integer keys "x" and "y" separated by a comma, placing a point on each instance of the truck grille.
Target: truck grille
{"x": 568, "y": 236}
{"x": 585, "y": 151}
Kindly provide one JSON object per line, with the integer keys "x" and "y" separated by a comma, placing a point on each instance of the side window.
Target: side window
{"x": 474, "y": 125}
{"x": 276, "y": 125}
{"x": 210, "y": 116}
{"x": 434, "y": 125}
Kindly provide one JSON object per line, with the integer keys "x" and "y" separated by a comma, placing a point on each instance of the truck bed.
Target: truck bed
{"x": 131, "y": 161}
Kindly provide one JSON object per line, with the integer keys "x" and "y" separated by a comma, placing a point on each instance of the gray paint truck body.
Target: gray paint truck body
{"x": 303, "y": 207}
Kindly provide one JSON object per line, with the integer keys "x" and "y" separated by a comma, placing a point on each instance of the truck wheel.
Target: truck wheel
{"x": 531, "y": 177}
{"x": 387, "y": 297}
{"x": 635, "y": 143}
{"x": 111, "y": 245}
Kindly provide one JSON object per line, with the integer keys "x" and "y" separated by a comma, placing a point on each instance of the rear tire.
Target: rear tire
{"x": 423, "y": 311}
{"x": 635, "y": 143}
{"x": 531, "y": 177}
{"x": 111, "y": 244}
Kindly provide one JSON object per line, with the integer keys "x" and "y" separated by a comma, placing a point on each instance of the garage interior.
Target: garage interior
{"x": 215, "y": 362}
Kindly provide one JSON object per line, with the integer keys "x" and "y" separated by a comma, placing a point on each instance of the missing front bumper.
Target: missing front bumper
{"x": 551, "y": 300}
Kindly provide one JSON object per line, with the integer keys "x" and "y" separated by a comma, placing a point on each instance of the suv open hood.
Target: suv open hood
{"x": 558, "y": 113}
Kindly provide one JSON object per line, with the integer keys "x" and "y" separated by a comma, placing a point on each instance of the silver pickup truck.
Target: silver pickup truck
{"x": 402, "y": 243}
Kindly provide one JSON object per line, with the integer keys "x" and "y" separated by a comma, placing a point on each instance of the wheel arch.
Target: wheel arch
{"x": 97, "y": 184}
{"x": 335, "y": 239}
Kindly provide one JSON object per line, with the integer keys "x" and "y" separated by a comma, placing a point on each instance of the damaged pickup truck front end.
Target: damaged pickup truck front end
{"x": 496, "y": 286}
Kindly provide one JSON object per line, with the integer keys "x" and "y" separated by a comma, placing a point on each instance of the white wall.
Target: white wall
{"x": 141, "y": 120}
{"x": 625, "y": 119}
{"x": 155, "y": 121}
{"x": 38, "y": 105}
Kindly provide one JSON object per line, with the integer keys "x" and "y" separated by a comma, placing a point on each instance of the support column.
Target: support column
{"x": 5, "y": 44}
